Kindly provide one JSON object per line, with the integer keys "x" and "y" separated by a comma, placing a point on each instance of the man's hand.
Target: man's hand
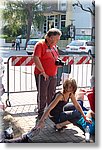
{"x": 45, "y": 75}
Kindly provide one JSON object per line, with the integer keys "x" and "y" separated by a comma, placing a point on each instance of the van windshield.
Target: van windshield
{"x": 76, "y": 43}
{"x": 32, "y": 42}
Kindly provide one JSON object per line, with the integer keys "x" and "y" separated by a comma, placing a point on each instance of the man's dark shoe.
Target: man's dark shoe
{"x": 23, "y": 139}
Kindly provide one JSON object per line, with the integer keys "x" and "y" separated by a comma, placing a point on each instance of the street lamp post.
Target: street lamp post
{"x": 72, "y": 30}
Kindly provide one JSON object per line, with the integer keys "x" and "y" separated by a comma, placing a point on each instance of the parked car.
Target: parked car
{"x": 30, "y": 45}
{"x": 81, "y": 46}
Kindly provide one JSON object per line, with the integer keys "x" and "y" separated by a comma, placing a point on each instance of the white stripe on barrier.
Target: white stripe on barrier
{"x": 26, "y": 61}
{"x": 15, "y": 61}
{"x": 76, "y": 59}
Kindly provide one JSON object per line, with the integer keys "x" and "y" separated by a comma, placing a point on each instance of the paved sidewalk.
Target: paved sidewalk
{"x": 24, "y": 118}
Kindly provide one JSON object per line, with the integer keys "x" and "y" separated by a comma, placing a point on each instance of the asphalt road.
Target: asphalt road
{"x": 6, "y": 52}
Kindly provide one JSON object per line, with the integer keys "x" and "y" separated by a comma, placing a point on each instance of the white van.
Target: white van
{"x": 30, "y": 45}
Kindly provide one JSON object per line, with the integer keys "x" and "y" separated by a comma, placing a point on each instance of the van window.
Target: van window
{"x": 32, "y": 42}
{"x": 90, "y": 43}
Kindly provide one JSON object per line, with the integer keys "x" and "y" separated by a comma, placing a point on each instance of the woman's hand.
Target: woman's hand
{"x": 40, "y": 125}
{"x": 88, "y": 119}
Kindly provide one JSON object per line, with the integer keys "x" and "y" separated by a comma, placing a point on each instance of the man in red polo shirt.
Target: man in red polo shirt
{"x": 45, "y": 55}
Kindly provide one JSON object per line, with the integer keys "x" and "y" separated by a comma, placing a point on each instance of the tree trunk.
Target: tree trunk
{"x": 30, "y": 20}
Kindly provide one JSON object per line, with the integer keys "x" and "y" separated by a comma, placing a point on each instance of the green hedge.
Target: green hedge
{"x": 7, "y": 39}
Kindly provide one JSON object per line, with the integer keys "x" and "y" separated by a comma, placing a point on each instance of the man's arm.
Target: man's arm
{"x": 38, "y": 64}
{"x": 40, "y": 67}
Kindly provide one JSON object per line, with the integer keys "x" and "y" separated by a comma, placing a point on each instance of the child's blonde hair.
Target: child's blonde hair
{"x": 66, "y": 84}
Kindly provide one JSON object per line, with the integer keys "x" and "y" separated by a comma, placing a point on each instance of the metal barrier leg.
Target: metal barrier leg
{"x": 8, "y": 104}
{"x": 38, "y": 99}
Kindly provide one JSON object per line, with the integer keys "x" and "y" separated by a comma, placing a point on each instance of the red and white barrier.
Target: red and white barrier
{"x": 77, "y": 60}
{"x": 29, "y": 61}
{"x": 22, "y": 61}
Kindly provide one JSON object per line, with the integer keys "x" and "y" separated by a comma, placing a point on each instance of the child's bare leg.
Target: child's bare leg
{"x": 80, "y": 95}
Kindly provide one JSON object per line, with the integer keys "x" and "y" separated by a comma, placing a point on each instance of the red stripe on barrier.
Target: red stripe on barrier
{"x": 82, "y": 60}
{"x": 65, "y": 58}
{"x": 13, "y": 58}
{"x": 21, "y": 60}
{"x": 71, "y": 62}
{"x": 2, "y": 106}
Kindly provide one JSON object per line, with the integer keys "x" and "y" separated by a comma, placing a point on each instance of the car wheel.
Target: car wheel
{"x": 28, "y": 53}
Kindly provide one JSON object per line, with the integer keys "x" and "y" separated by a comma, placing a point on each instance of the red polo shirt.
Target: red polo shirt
{"x": 46, "y": 57}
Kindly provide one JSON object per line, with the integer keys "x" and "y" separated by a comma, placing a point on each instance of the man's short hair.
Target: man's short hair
{"x": 53, "y": 31}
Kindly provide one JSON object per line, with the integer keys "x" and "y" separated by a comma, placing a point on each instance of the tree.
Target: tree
{"x": 22, "y": 14}
{"x": 88, "y": 9}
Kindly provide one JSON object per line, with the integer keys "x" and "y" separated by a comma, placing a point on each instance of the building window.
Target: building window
{"x": 63, "y": 20}
{"x": 63, "y": 17}
{"x": 56, "y": 21}
{"x": 62, "y": 24}
{"x": 62, "y": 4}
{"x": 45, "y": 25}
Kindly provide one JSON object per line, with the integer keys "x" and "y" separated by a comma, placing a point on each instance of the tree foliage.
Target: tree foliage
{"x": 20, "y": 15}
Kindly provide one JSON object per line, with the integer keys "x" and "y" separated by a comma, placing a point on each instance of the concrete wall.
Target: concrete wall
{"x": 61, "y": 44}
{"x": 4, "y": 44}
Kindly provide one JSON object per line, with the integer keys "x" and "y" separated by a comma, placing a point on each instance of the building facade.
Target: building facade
{"x": 58, "y": 14}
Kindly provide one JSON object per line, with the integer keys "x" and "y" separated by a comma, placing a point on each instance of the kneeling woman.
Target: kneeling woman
{"x": 55, "y": 109}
